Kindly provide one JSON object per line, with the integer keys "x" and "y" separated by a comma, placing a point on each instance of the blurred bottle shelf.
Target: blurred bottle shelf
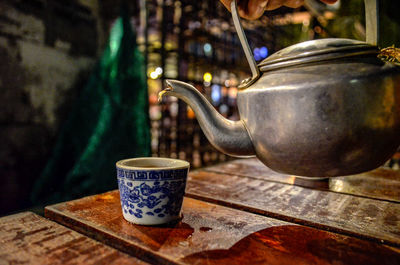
{"x": 194, "y": 42}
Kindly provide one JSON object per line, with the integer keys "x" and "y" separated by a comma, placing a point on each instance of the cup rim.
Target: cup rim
{"x": 175, "y": 163}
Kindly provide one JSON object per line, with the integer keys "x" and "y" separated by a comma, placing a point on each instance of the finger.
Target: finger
{"x": 248, "y": 9}
{"x": 227, "y": 4}
{"x": 256, "y": 8}
{"x": 241, "y": 4}
{"x": 294, "y": 3}
{"x": 329, "y": 1}
{"x": 273, "y": 4}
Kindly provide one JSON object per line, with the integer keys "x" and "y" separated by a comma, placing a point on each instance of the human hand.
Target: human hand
{"x": 253, "y": 9}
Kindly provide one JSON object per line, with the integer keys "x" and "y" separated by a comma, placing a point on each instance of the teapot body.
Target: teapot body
{"x": 324, "y": 119}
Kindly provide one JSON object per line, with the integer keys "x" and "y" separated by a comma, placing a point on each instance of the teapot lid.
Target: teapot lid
{"x": 316, "y": 51}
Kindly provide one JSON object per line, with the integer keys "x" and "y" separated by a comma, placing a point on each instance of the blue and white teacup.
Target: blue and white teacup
{"x": 151, "y": 189}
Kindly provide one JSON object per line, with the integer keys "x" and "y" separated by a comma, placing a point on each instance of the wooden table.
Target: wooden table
{"x": 240, "y": 212}
{"x": 27, "y": 238}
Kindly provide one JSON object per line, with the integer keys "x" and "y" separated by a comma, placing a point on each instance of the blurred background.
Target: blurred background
{"x": 48, "y": 50}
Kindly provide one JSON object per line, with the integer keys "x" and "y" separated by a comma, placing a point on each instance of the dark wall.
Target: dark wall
{"x": 47, "y": 49}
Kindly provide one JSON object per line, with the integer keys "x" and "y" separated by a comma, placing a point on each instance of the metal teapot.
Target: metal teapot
{"x": 320, "y": 108}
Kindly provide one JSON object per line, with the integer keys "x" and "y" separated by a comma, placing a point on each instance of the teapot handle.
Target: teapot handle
{"x": 372, "y": 21}
{"x": 371, "y": 25}
{"x": 255, "y": 71}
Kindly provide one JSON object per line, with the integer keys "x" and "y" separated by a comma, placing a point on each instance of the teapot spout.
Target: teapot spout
{"x": 229, "y": 137}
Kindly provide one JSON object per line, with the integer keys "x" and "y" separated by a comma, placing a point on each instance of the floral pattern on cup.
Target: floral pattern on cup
{"x": 154, "y": 198}
{"x": 151, "y": 189}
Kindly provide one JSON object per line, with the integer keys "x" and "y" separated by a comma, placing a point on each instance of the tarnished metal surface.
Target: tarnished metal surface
{"x": 353, "y": 215}
{"x": 212, "y": 234}
{"x": 229, "y": 137}
{"x": 381, "y": 183}
{"x": 315, "y": 120}
{"x": 27, "y": 238}
{"x": 324, "y": 120}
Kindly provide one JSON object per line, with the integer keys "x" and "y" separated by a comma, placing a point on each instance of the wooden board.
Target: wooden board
{"x": 27, "y": 238}
{"x": 380, "y": 183}
{"x": 212, "y": 234}
{"x": 352, "y": 215}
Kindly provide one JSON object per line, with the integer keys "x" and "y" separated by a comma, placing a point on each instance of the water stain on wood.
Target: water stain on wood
{"x": 202, "y": 227}
{"x": 212, "y": 234}
{"x": 205, "y": 229}
{"x": 297, "y": 245}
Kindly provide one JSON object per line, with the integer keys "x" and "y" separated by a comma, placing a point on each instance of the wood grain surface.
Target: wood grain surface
{"x": 213, "y": 234}
{"x": 381, "y": 183}
{"x": 27, "y": 238}
{"x": 352, "y": 215}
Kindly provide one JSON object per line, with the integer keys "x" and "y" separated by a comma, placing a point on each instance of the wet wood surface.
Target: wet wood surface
{"x": 214, "y": 234}
{"x": 27, "y": 238}
{"x": 381, "y": 183}
{"x": 363, "y": 217}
